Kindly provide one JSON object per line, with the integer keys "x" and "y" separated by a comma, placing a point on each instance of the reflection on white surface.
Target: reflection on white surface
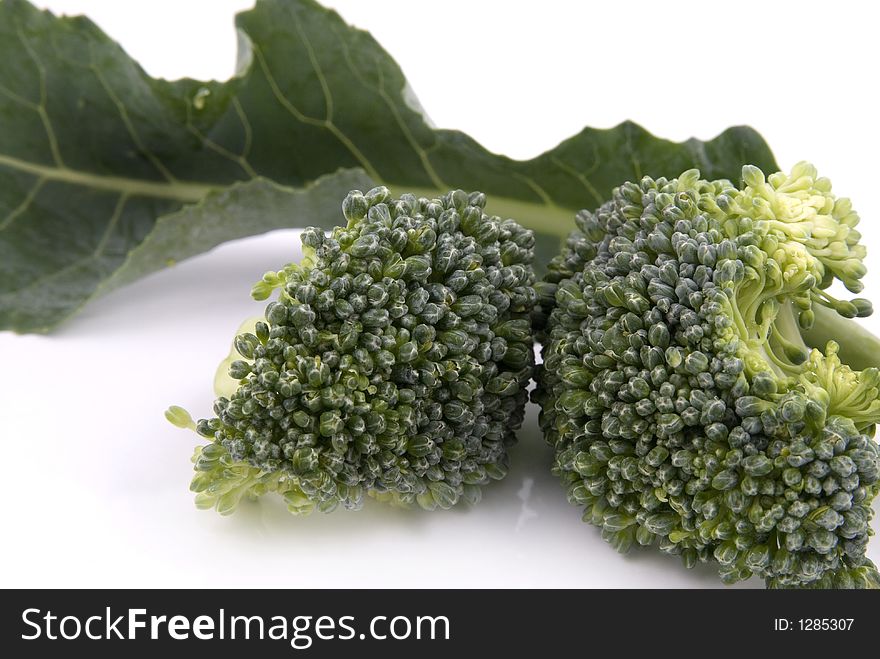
{"x": 526, "y": 512}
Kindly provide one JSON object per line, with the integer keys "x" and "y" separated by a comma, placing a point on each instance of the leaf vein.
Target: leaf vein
{"x": 246, "y": 126}
{"x": 179, "y": 190}
{"x": 313, "y": 60}
{"x": 21, "y": 100}
{"x": 91, "y": 256}
{"x": 126, "y": 120}
{"x": 219, "y": 149}
{"x": 311, "y": 121}
{"x": 422, "y": 153}
{"x": 41, "y": 106}
{"x": 111, "y": 225}
{"x": 16, "y": 212}
{"x": 581, "y": 177}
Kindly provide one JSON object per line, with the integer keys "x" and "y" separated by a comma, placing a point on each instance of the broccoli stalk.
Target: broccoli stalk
{"x": 393, "y": 363}
{"x": 694, "y": 386}
{"x": 858, "y": 347}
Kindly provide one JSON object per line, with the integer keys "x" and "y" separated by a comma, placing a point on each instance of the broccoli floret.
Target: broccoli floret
{"x": 684, "y": 406}
{"x": 393, "y": 363}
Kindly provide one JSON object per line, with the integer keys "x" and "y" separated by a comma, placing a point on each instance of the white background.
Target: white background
{"x": 96, "y": 480}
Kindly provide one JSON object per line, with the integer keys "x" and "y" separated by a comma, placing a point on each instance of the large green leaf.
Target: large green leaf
{"x": 107, "y": 174}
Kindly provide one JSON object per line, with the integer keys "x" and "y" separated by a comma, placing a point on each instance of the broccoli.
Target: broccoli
{"x": 678, "y": 390}
{"x": 394, "y": 363}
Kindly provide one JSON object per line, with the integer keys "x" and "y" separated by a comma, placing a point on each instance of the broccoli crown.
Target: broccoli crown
{"x": 394, "y": 362}
{"x": 684, "y": 407}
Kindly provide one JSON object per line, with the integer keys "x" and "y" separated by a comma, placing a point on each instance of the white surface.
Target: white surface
{"x": 96, "y": 479}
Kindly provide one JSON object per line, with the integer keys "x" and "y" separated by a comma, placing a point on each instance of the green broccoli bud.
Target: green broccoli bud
{"x": 695, "y": 386}
{"x": 393, "y": 363}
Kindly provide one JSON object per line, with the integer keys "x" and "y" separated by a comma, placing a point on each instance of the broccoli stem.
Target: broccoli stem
{"x": 858, "y": 347}
{"x": 785, "y": 340}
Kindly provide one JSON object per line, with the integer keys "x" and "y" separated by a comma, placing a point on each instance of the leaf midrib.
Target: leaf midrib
{"x": 556, "y": 220}
{"x": 183, "y": 191}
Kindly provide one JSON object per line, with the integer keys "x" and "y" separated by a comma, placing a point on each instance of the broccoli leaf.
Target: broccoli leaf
{"x": 107, "y": 174}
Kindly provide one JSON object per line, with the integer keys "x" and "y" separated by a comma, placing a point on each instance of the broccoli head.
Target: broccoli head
{"x": 678, "y": 390}
{"x": 394, "y": 362}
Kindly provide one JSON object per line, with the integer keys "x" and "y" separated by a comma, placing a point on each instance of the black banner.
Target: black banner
{"x": 315, "y": 623}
